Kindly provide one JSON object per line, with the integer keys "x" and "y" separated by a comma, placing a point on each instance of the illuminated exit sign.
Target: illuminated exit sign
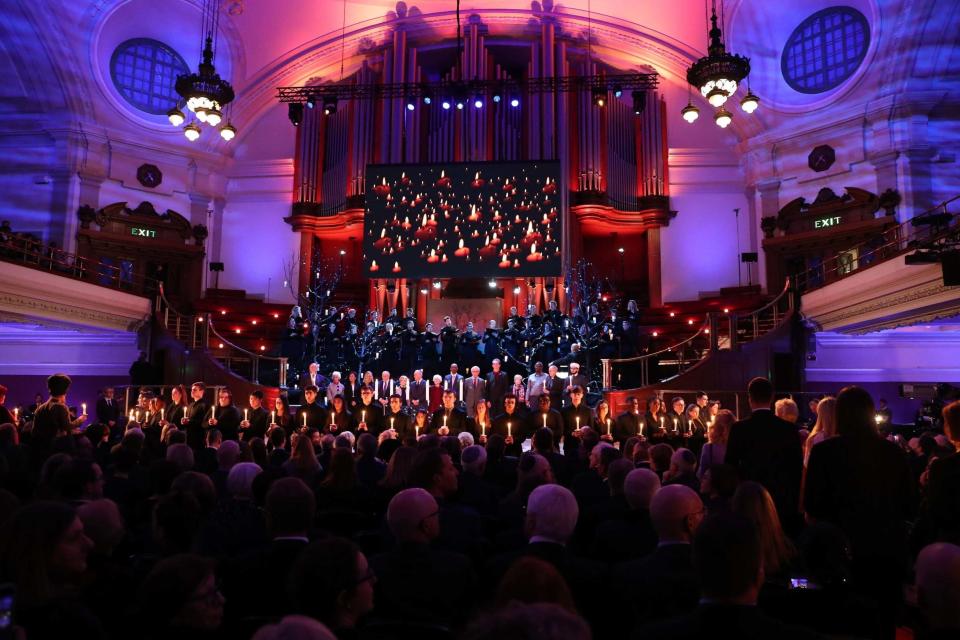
{"x": 823, "y": 223}
{"x": 143, "y": 233}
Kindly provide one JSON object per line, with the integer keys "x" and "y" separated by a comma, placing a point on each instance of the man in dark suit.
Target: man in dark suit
{"x": 448, "y": 420}
{"x": 474, "y": 390}
{"x": 394, "y": 417}
{"x": 453, "y": 381}
{"x": 630, "y": 422}
{"x": 575, "y": 416}
{"x": 316, "y": 416}
{"x": 368, "y": 413}
{"x": 418, "y": 390}
{"x": 254, "y": 425}
{"x": 498, "y": 384}
{"x": 290, "y": 507}
{"x": 193, "y": 421}
{"x": 224, "y": 416}
{"x": 461, "y": 529}
{"x": 515, "y": 416}
{"x": 766, "y": 449}
{"x": 312, "y": 376}
{"x": 415, "y": 582}
{"x": 664, "y": 584}
{"x": 108, "y": 409}
{"x": 554, "y": 387}
{"x": 547, "y": 417}
{"x": 729, "y": 567}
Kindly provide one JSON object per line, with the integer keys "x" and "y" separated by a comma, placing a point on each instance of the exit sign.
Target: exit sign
{"x": 823, "y": 223}
{"x": 143, "y": 233}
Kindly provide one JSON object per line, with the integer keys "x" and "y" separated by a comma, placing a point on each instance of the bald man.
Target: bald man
{"x": 938, "y": 590}
{"x": 414, "y": 581}
{"x": 664, "y": 584}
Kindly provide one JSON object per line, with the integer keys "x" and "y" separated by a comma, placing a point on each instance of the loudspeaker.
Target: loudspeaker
{"x": 216, "y": 266}
{"x": 950, "y": 266}
{"x": 752, "y": 256}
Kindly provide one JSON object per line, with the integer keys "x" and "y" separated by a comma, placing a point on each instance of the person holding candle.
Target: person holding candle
{"x": 548, "y": 418}
{"x": 676, "y": 421}
{"x": 280, "y": 415}
{"x": 394, "y": 418}
{"x": 630, "y": 423}
{"x": 654, "y": 420}
{"x": 177, "y": 408}
{"x": 339, "y": 419}
{"x": 696, "y": 433}
{"x": 480, "y": 424}
{"x": 448, "y": 420}
{"x": 256, "y": 418}
{"x": 575, "y": 417}
{"x": 514, "y": 414}
{"x": 224, "y": 416}
{"x": 603, "y": 420}
{"x": 421, "y": 423}
{"x": 52, "y": 418}
{"x": 316, "y": 415}
{"x": 193, "y": 419}
{"x": 368, "y": 415}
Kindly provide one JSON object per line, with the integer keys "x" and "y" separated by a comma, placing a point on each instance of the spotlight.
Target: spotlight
{"x": 599, "y": 95}
{"x": 192, "y": 131}
{"x": 750, "y": 102}
{"x": 343, "y": 252}
{"x": 617, "y": 91}
{"x": 460, "y": 103}
{"x": 427, "y": 98}
{"x": 723, "y": 118}
{"x": 437, "y": 284}
{"x": 639, "y": 102}
{"x": 445, "y": 104}
{"x": 295, "y": 113}
{"x": 411, "y": 103}
{"x": 516, "y": 291}
{"x": 176, "y": 116}
{"x": 497, "y": 97}
{"x": 514, "y": 102}
{"x": 424, "y": 291}
{"x": 228, "y": 132}
{"x": 492, "y": 284}
{"x": 620, "y": 250}
{"x": 329, "y": 105}
{"x": 478, "y": 103}
{"x": 716, "y": 97}
{"x": 690, "y": 113}
{"x": 311, "y": 101}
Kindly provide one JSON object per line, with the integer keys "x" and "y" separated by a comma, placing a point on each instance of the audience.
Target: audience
{"x": 135, "y": 530}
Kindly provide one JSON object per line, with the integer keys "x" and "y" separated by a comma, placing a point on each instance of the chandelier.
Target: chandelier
{"x": 204, "y": 93}
{"x": 718, "y": 76}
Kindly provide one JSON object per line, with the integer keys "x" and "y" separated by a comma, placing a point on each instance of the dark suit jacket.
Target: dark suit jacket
{"x": 51, "y": 421}
{"x": 724, "y": 621}
{"x": 628, "y": 425}
{"x": 660, "y": 585}
{"x": 371, "y": 413}
{"x": 767, "y": 449}
{"x": 942, "y": 506}
{"x": 417, "y": 583}
{"x": 625, "y": 538}
{"x": 245, "y": 577}
{"x": 497, "y": 386}
{"x": 418, "y": 391}
{"x": 259, "y": 420}
{"x": 456, "y": 421}
{"x": 107, "y": 413}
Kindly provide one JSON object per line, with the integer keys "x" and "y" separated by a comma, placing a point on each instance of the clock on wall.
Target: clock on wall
{"x": 821, "y": 158}
{"x": 149, "y": 175}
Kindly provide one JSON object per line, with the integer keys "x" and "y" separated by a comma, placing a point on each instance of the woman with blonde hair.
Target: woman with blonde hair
{"x": 716, "y": 448}
{"x": 753, "y": 502}
{"x": 825, "y": 427}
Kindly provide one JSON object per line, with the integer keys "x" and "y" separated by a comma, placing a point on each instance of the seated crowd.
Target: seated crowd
{"x": 361, "y": 519}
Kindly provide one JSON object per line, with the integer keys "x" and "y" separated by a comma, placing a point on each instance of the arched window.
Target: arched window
{"x": 825, "y": 49}
{"x": 144, "y": 71}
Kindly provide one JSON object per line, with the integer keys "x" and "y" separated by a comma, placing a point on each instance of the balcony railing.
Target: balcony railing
{"x": 924, "y": 231}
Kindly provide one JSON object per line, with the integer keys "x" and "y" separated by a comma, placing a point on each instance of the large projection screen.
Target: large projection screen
{"x": 480, "y": 219}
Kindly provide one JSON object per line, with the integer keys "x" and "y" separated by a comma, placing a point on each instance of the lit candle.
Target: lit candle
{"x": 16, "y": 414}
{"x": 245, "y": 414}
{"x": 578, "y": 421}
{"x": 83, "y": 408}
{"x": 461, "y": 389}
{"x": 391, "y": 387}
{"x": 376, "y": 391}
{"x": 878, "y": 418}
{"x": 674, "y": 425}
{"x": 391, "y": 422}
{"x": 661, "y": 422}
{"x": 608, "y": 426}
{"x": 333, "y": 419}
{"x": 304, "y": 418}
{"x": 544, "y": 420}
{"x": 428, "y": 395}
{"x": 445, "y": 383}
{"x": 508, "y": 430}
{"x": 363, "y": 416}
{"x": 407, "y": 393}
{"x": 273, "y": 417}
{"x": 416, "y": 430}
{"x": 444, "y": 422}
{"x": 161, "y": 415}
{"x": 131, "y": 416}
{"x": 483, "y": 430}
{"x": 214, "y": 410}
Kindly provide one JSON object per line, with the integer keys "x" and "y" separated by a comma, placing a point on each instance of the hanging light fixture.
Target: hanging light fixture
{"x": 205, "y": 93}
{"x": 718, "y": 75}
{"x": 750, "y": 102}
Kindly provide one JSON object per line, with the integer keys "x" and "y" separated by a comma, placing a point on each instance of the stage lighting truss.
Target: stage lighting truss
{"x": 482, "y": 91}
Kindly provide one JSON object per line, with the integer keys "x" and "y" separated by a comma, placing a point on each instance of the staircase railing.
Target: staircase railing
{"x": 921, "y": 231}
{"x": 740, "y": 330}
{"x": 198, "y": 332}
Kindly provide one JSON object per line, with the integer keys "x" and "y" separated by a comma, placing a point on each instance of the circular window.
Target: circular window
{"x": 145, "y": 71}
{"x": 825, "y": 49}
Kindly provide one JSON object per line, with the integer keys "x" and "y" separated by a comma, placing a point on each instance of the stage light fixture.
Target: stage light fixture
{"x": 617, "y": 91}
{"x": 427, "y": 98}
{"x": 460, "y": 103}
{"x": 516, "y": 290}
{"x": 445, "y": 104}
{"x": 295, "y": 113}
{"x": 437, "y": 284}
{"x": 599, "y": 95}
{"x": 424, "y": 291}
{"x": 329, "y": 105}
{"x": 411, "y": 103}
{"x": 478, "y": 103}
{"x": 620, "y": 250}
{"x": 311, "y": 101}
{"x": 639, "y": 102}
{"x": 723, "y": 118}
{"x": 492, "y": 284}
{"x": 497, "y": 97}
{"x": 514, "y": 102}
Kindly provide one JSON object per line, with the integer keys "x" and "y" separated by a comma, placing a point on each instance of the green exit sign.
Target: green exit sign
{"x": 143, "y": 233}
{"x": 823, "y": 223}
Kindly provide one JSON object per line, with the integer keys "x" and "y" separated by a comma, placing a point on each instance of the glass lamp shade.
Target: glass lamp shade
{"x": 723, "y": 118}
{"x": 228, "y": 132}
{"x": 750, "y": 102}
{"x": 176, "y": 117}
{"x": 214, "y": 117}
{"x": 192, "y": 131}
{"x": 716, "y": 97}
{"x": 690, "y": 113}
{"x": 201, "y": 114}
